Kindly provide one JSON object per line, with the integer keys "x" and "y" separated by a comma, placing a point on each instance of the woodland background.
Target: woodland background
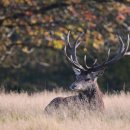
{"x": 32, "y": 40}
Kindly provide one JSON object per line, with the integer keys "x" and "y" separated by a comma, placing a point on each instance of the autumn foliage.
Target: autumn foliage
{"x": 32, "y": 35}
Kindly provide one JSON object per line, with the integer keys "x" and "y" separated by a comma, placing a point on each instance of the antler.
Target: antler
{"x": 74, "y": 61}
{"x": 119, "y": 54}
{"x": 73, "y": 58}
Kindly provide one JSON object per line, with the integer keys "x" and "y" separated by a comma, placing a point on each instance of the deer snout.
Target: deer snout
{"x": 76, "y": 87}
{"x": 72, "y": 86}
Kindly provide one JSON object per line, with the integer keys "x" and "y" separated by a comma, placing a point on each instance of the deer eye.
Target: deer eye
{"x": 87, "y": 79}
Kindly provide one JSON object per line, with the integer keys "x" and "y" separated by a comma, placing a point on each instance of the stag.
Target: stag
{"x": 89, "y": 95}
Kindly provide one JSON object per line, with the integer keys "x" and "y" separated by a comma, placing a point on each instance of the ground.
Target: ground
{"x": 23, "y": 112}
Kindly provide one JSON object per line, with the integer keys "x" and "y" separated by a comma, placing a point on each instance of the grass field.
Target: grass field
{"x": 23, "y": 112}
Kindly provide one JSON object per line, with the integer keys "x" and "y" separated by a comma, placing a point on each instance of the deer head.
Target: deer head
{"x": 86, "y": 76}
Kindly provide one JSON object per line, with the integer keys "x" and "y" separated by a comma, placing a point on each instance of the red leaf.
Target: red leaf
{"x": 89, "y": 16}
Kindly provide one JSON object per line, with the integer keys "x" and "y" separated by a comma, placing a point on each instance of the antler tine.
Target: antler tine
{"x": 95, "y": 60}
{"x": 124, "y": 48}
{"x": 68, "y": 39}
{"x": 108, "y": 55}
{"x": 128, "y": 42}
{"x": 72, "y": 47}
{"x": 94, "y": 63}
{"x": 121, "y": 52}
{"x": 73, "y": 58}
{"x": 122, "y": 44}
{"x": 77, "y": 42}
{"x": 85, "y": 59}
{"x": 88, "y": 67}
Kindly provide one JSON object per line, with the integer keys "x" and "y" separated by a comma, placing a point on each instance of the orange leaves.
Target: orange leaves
{"x": 89, "y": 16}
{"x": 122, "y": 13}
{"x": 74, "y": 1}
{"x": 51, "y": 26}
{"x": 97, "y": 40}
{"x": 59, "y": 34}
{"x": 5, "y": 2}
{"x": 109, "y": 27}
{"x": 91, "y": 25}
{"x": 73, "y": 11}
{"x": 126, "y": 10}
{"x": 120, "y": 17}
{"x": 12, "y": 2}
{"x": 57, "y": 44}
{"x": 25, "y": 49}
{"x": 97, "y": 35}
{"x": 113, "y": 38}
{"x": 123, "y": 9}
{"x": 19, "y": 1}
{"x": 33, "y": 19}
{"x": 30, "y": 2}
{"x": 29, "y": 13}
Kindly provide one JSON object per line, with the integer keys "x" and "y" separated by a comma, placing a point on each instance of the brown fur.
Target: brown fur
{"x": 90, "y": 99}
{"x": 90, "y": 96}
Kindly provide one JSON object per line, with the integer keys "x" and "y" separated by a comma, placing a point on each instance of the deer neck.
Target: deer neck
{"x": 93, "y": 96}
{"x": 91, "y": 92}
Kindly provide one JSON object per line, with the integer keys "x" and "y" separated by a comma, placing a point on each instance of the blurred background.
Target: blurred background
{"x": 32, "y": 37}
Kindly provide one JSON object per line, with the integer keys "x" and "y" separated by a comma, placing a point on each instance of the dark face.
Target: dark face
{"x": 84, "y": 81}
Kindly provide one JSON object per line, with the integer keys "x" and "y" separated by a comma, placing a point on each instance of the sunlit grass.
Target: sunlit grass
{"x": 23, "y": 112}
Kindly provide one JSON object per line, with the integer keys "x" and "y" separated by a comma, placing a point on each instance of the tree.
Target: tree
{"x": 32, "y": 38}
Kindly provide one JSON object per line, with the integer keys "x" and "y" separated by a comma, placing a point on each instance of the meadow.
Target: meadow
{"x": 24, "y": 112}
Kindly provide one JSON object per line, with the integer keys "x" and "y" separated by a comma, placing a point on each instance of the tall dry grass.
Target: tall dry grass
{"x": 23, "y": 112}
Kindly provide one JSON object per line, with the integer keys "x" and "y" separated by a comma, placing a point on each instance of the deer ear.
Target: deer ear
{"x": 99, "y": 73}
{"x": 76, "y": 71}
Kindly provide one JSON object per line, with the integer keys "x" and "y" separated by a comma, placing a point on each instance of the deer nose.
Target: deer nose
{"x": 72, "y": 87}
